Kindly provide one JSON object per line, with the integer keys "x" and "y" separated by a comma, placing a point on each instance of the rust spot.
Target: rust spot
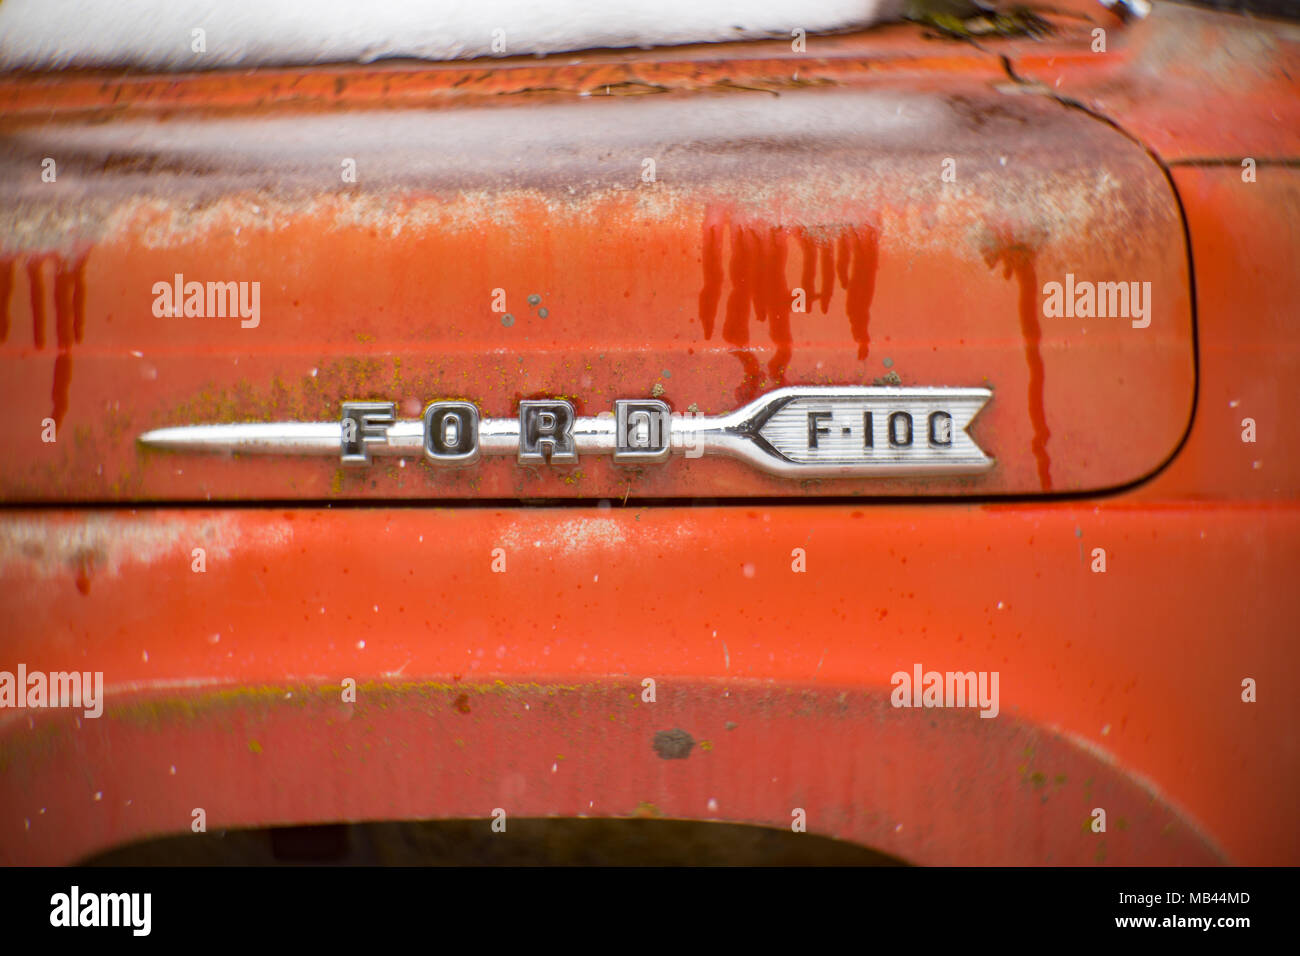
{"x": 143, "y": 163}
{"x": 977, "y": 112}
{"x": 751, "y": 382}
{"x": 1018, "y": 258}
{"x": 673, "y": 744}
{"x": 462, "y": 703}
{"x": 85, "y": 565}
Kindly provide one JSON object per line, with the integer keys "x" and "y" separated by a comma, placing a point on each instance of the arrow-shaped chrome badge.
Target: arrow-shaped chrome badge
{"x": 796, "y": 432}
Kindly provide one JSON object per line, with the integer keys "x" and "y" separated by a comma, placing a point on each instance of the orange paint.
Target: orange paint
{"x": 1100, "y": 666}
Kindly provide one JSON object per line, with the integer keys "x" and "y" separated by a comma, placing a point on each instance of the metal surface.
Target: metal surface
{"x": 523, "y": 688}
{"x": 683, "y": 282}
{"x": 1193, "y": 84}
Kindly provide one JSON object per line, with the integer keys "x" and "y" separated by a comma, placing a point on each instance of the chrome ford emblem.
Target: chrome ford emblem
{"x": 801, "y": 431}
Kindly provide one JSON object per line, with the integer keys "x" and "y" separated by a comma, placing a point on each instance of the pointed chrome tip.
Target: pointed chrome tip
{"x": 163, "y": 438}
{"x": 301, "y": 438}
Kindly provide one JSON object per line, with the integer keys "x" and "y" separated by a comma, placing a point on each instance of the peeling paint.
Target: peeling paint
{"x": 104, "y": 544}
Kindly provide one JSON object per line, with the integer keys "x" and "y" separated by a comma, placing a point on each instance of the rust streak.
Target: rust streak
{"x": 843, "y": 253}
{"x": 808, "y": 276}
{"x": 37, "y": 283}
{"x": 1018, "y": 258}
{"x": 6, "y": 290}
{"x": 828, "y": 276}
{"x": 778, "y": 303}
{"x": 67, "y": 300}
{"x": 756, "y": 269}
{"x": 735, "y": 328}
{"x": 862, "y": 283}
{"x": 714, "y": 225}
{"x": 79, "y": 298}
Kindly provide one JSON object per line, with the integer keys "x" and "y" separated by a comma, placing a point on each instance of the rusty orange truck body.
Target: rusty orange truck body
{"x": 701, "y": 226}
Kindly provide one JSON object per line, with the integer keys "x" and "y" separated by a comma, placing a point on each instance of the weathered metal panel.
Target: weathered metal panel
{"x": 521, "y": 687}
{"x": 609, "y": 285}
